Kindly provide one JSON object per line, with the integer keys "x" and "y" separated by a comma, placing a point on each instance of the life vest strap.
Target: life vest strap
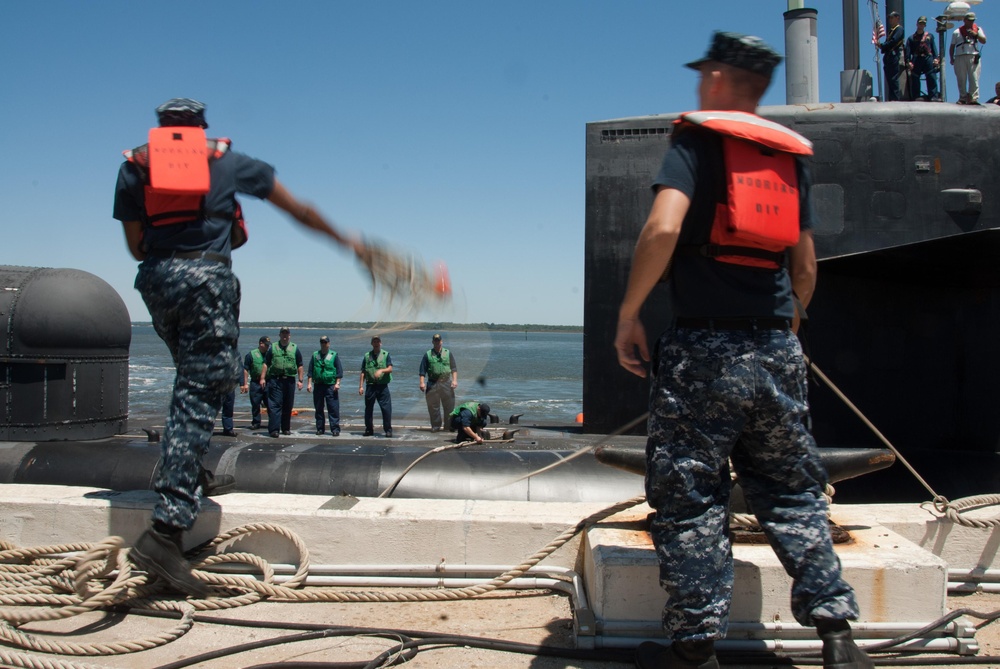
{"x": 217, "y": 147}
{"x": 717, "y": 250}
{"x": 193, "y": 214}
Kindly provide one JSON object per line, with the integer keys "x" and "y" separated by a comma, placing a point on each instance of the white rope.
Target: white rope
{"x": 100, "y": 575}
{"x": 440, "y": 449}
{"x": 951, "y": 510}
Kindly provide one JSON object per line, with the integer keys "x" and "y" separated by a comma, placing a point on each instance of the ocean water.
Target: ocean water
{"x": 538, "y": 374}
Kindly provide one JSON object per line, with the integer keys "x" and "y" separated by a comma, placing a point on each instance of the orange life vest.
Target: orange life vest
{"x": 175, "y": 166}
{"x": 759, "y": 218}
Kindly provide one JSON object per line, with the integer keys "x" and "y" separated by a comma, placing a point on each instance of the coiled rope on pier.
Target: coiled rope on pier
{"x": 13, "y": 659}
{"x": 44, "y": 583}
{"x": 96, "y": 577}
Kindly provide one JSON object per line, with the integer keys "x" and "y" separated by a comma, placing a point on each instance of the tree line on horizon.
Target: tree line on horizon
{"x": 445, "y": 326}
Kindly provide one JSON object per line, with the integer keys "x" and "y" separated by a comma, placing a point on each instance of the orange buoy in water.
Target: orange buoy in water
{"x": 579, "y": 417}
{"x": 295, "y": 412}
{"x": 442, "y": 284}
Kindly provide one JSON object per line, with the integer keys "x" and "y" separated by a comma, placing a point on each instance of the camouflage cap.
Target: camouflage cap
{"x": 971, "y": 16}
{"x": 922, "y": 19}
{"x": 182, "y": 111}
{"x": 743, "y": 51}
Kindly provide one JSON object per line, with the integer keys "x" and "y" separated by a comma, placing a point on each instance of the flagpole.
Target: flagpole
{"x": 876, "y": 24}
{"x": 943, "y": 26}
{"x": 878, "y": 69}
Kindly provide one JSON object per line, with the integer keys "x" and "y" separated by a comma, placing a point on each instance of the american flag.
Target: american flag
{"x": 878, "y": 32}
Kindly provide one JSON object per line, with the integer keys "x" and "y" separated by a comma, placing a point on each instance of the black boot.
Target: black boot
{"x": 678, "y": 655}
{"x": 158, "y": 551}
{"x": 839, "y": 649}
{"x": 212, "y": 485}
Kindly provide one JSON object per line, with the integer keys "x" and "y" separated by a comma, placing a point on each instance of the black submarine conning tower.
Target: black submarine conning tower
{"x": 64, "y": 360}
{"x": 906, "y": 313}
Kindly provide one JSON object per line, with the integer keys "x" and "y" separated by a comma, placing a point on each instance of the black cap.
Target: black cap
{"x": 743, "y": 51}
{"x": 324, "y": 340}
{"x": 484, "y": 408}
{"x": 182, "y": 111}
{"x": 264, "y": 339}
{"x": 892, "y": 14}
{"x": 284, "y": 330}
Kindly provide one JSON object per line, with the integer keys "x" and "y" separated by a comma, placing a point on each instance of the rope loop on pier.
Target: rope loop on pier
{"x": 953, "y": 511}
{"x": 59, "y": 582}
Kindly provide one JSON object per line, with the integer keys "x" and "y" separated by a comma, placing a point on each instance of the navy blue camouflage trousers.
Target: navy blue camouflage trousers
{"x": 195, "y": 307}
{"x": 739, "y": 395}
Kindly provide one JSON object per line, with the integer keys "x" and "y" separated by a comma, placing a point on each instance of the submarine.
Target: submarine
{"x": 906, "y": 311}
{"x": 904, "y": 315}
{"x": 64, "y": 380}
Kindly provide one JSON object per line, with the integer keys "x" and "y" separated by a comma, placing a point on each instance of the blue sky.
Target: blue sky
{"x": 451, "y": 129}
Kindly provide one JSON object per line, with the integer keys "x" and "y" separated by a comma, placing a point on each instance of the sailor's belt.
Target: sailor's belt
{"x": 734, "y": 323}
{"x": 191, "y": 255}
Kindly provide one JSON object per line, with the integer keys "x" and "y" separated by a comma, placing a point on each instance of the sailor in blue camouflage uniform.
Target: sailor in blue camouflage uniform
{"x": 893, "y": 58}
{"x": 922, "y": 60}
{"x": 253, "y": 362}
{"x": 186, "y": 280}
{"x": 729, "y": 381}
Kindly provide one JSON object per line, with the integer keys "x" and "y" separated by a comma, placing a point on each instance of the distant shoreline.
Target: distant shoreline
{"x": 445, "y": 327}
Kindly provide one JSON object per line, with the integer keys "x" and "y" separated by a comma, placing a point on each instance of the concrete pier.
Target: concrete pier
{"x": 898, "y": 566}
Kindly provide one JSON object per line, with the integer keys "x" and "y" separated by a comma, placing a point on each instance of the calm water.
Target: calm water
{"x": 537, "y": 374}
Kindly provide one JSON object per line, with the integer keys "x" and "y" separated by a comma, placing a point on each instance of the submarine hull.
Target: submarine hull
{"x": 614, "y": 473}
{"x": 329, "y": 469}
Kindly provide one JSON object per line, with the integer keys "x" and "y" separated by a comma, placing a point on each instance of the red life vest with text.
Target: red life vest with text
{"x": 175, "y": 166}
{"x": 758, "y": 220}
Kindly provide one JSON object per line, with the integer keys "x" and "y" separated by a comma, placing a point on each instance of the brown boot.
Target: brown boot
{"x": 158, "y": 551}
